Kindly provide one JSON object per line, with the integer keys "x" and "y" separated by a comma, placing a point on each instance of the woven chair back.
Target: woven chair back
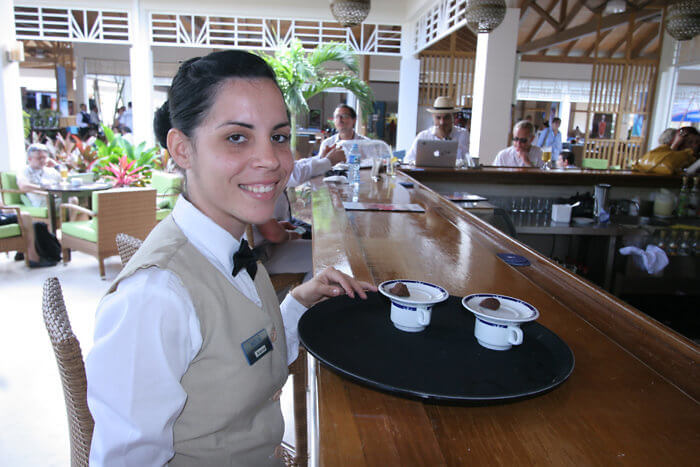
{"x": 72, "y": 371}
{"x": 127, "y": 246}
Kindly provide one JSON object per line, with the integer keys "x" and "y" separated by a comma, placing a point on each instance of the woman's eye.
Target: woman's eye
{"x": 281, "y": 138}
{"x": 237, "y": 138}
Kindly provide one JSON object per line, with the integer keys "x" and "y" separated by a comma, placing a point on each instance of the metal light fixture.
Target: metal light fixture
{"x": 485, "y": 15}
{"x": 683, "y": 19}
{"x": 614, "y": 7}
{"x": 350, "y": 12}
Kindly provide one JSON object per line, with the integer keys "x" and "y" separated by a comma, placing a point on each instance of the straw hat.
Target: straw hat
{"x": 443, "y": 105}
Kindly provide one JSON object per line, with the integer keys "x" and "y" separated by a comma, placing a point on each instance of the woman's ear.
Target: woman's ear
{"x": 180, "y": 148}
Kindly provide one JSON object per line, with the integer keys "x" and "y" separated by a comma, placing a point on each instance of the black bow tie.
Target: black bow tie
{"x": 245, "y": 258}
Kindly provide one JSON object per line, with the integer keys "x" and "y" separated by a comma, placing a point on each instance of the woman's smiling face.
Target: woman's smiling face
{"x": 239, "y": 156}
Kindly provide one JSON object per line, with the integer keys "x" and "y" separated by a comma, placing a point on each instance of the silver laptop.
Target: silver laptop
{"x": 436, "y": 153}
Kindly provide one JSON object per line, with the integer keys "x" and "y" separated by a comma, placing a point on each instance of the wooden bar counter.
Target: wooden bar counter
{"x": 632, "y": 397}
{"x": 533, "y": 176}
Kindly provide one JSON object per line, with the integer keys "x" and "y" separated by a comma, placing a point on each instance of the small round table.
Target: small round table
{"x": 65, "y": 190}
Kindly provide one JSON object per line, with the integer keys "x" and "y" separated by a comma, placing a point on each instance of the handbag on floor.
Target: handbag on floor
{"x": 46, "y": 244}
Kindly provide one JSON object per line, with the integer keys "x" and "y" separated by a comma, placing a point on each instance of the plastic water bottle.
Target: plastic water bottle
{"x": 354, "y": 165}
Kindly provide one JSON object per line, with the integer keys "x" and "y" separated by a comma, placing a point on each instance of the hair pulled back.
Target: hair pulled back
{"x": 195, "y": 85}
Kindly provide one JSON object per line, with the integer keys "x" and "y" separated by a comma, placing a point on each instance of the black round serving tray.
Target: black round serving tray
{"x": 356, "y": 338}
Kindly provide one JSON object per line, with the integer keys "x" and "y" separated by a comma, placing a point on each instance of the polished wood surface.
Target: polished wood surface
{"x": 632, "y": 398}
{"x": 533, "y": 176}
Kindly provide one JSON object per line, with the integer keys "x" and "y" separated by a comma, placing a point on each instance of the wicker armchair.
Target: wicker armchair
{"x": 72, "y": 372}
{"x": 127, "y": 246}
{"x": 123, "y": 210}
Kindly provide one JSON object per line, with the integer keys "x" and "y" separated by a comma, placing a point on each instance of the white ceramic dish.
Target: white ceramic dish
{"x": 511, "y": 310}
{"x": 413, "y": 313}
{"x": 422, "y": 293}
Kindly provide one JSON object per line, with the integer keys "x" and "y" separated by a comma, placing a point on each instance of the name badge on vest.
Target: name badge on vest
{"x": 257, "y": 346}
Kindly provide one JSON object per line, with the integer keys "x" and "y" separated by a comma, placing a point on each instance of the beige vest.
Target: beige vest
{"x": 232, "y": 415}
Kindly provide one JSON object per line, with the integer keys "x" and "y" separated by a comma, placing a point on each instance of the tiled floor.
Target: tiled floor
{"x": 33, "y": 424}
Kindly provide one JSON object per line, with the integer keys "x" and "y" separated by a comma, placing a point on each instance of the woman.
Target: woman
{"x": 190, "y": 348}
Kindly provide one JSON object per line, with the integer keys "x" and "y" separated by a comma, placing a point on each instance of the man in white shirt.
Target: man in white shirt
{"x": 127, "y": 120}
{"x": 39, "y": 171}
{"x": 344, "y": 118}
{"x": 522, "y": 153}
{"x": 443, "y": 112}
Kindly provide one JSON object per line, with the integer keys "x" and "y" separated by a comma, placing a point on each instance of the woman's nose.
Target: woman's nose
{"x": 266, "y": 156}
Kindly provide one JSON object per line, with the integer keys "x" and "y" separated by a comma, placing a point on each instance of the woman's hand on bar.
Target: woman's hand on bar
{"x": 330, "y": 283}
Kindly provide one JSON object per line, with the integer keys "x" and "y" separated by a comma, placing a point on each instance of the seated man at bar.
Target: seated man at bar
{"x": 522, "y": 153}
{"x": 39, "y": 171}
{"x": 551, "y": 137}
{"x": 344, "y": 118}
{"x": 443, "y": 111}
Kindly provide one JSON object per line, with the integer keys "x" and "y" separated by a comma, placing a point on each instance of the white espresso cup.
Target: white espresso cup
{"x": 410, "y": 318}
{"x": 497, "y": 336}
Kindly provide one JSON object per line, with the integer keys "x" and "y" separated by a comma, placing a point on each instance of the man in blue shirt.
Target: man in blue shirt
{"x": 550, "y": 137}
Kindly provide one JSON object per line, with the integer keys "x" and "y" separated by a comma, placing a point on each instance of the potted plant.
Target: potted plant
{"x": 301, "y": 74}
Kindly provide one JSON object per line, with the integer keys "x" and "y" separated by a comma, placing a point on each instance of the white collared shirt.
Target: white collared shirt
{"x": 459, "y": 134}
{"x": 146, "y": 335}
{"x": 508, "y": 157}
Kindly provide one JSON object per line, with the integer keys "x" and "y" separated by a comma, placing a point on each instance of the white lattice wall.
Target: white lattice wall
{"x": 263, "y": 33}
{"x": 440, "y": 20}
{"x": 71, "y": 24}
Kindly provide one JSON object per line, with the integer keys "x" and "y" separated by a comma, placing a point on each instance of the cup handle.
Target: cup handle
{"x": 515, "y": 335}
{"x": 423, "y": 317}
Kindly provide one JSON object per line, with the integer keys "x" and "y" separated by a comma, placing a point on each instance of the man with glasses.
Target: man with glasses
{"x": 443, "y": 128}
{"x": 522, "y": 153}
{"x": 344, "y": 119}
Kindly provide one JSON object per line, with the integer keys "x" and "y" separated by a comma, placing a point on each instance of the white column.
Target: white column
{"x": 409, "y": 80}
{"x": 11, "y": 124}
{"x": 81, "y": 83}
{"x": 141, "y": 64}
{"x": 665, "y": 90}
{"x": 565, "y": 115}
{"x": 493, "y": 82}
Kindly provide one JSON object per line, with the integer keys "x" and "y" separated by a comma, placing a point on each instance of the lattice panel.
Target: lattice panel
{"x": 623, "y": 91}
{"x": 444, "y": 74}
{"x": 268, "y": 34}
{"x": 440, "y": 20}
{"x": 71, "y": 24}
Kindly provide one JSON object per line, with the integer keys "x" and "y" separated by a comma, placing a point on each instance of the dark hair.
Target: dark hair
{"x": 556, "y": 120}
{"x": 688, "y": 130}
{"x": 353, "y": 114}
{"x": 195, "y": 85}
{"x": 568, "y": 156}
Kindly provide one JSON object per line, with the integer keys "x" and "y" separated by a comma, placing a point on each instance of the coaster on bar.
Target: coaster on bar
{"x": 514, "y": 260}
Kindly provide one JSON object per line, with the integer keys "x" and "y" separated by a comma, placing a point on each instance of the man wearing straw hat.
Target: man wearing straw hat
{"x": 443, "y": 111}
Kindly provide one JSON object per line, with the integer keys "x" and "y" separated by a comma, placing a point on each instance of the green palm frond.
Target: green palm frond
{"x": 334, "y": 52}
{"x": 301, "y": 74}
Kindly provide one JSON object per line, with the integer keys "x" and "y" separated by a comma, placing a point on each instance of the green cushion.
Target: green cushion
{"x": 80, "y": 229}
{"x": 590, "y": 163}
{"x": 166, "y": 184}
{"x": 9, "y": 182}
{"x": 9, "y": 230}
{"x": 32, "y": 211}
{"x": 162, "y": 214}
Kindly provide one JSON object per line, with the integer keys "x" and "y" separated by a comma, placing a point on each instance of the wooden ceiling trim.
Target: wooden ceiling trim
{"x": 625, "y": 39}
{"x": 569, "y": 47}
{"x": 591, "y": 49}
{"x": 539, "y": 23}
{"x": 572, "y": 14}
{"x": 645, "y": 40}
{"x": 524, "y": 8}
{"x": 545, "y": 14}
{"x": 607, "y": 23}
{"x": 563, "y": 5}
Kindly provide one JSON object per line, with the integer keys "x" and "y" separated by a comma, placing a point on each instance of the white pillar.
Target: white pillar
{"x": 493, "y": 82}
{"x": 409, "y": 80}
{"x": 141, "y": 65}
{"x": 666, "y": 81}
{"x": 81, "y": 82}
{"x": 11, "y": 124}
{"x": 565, "y": 115}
